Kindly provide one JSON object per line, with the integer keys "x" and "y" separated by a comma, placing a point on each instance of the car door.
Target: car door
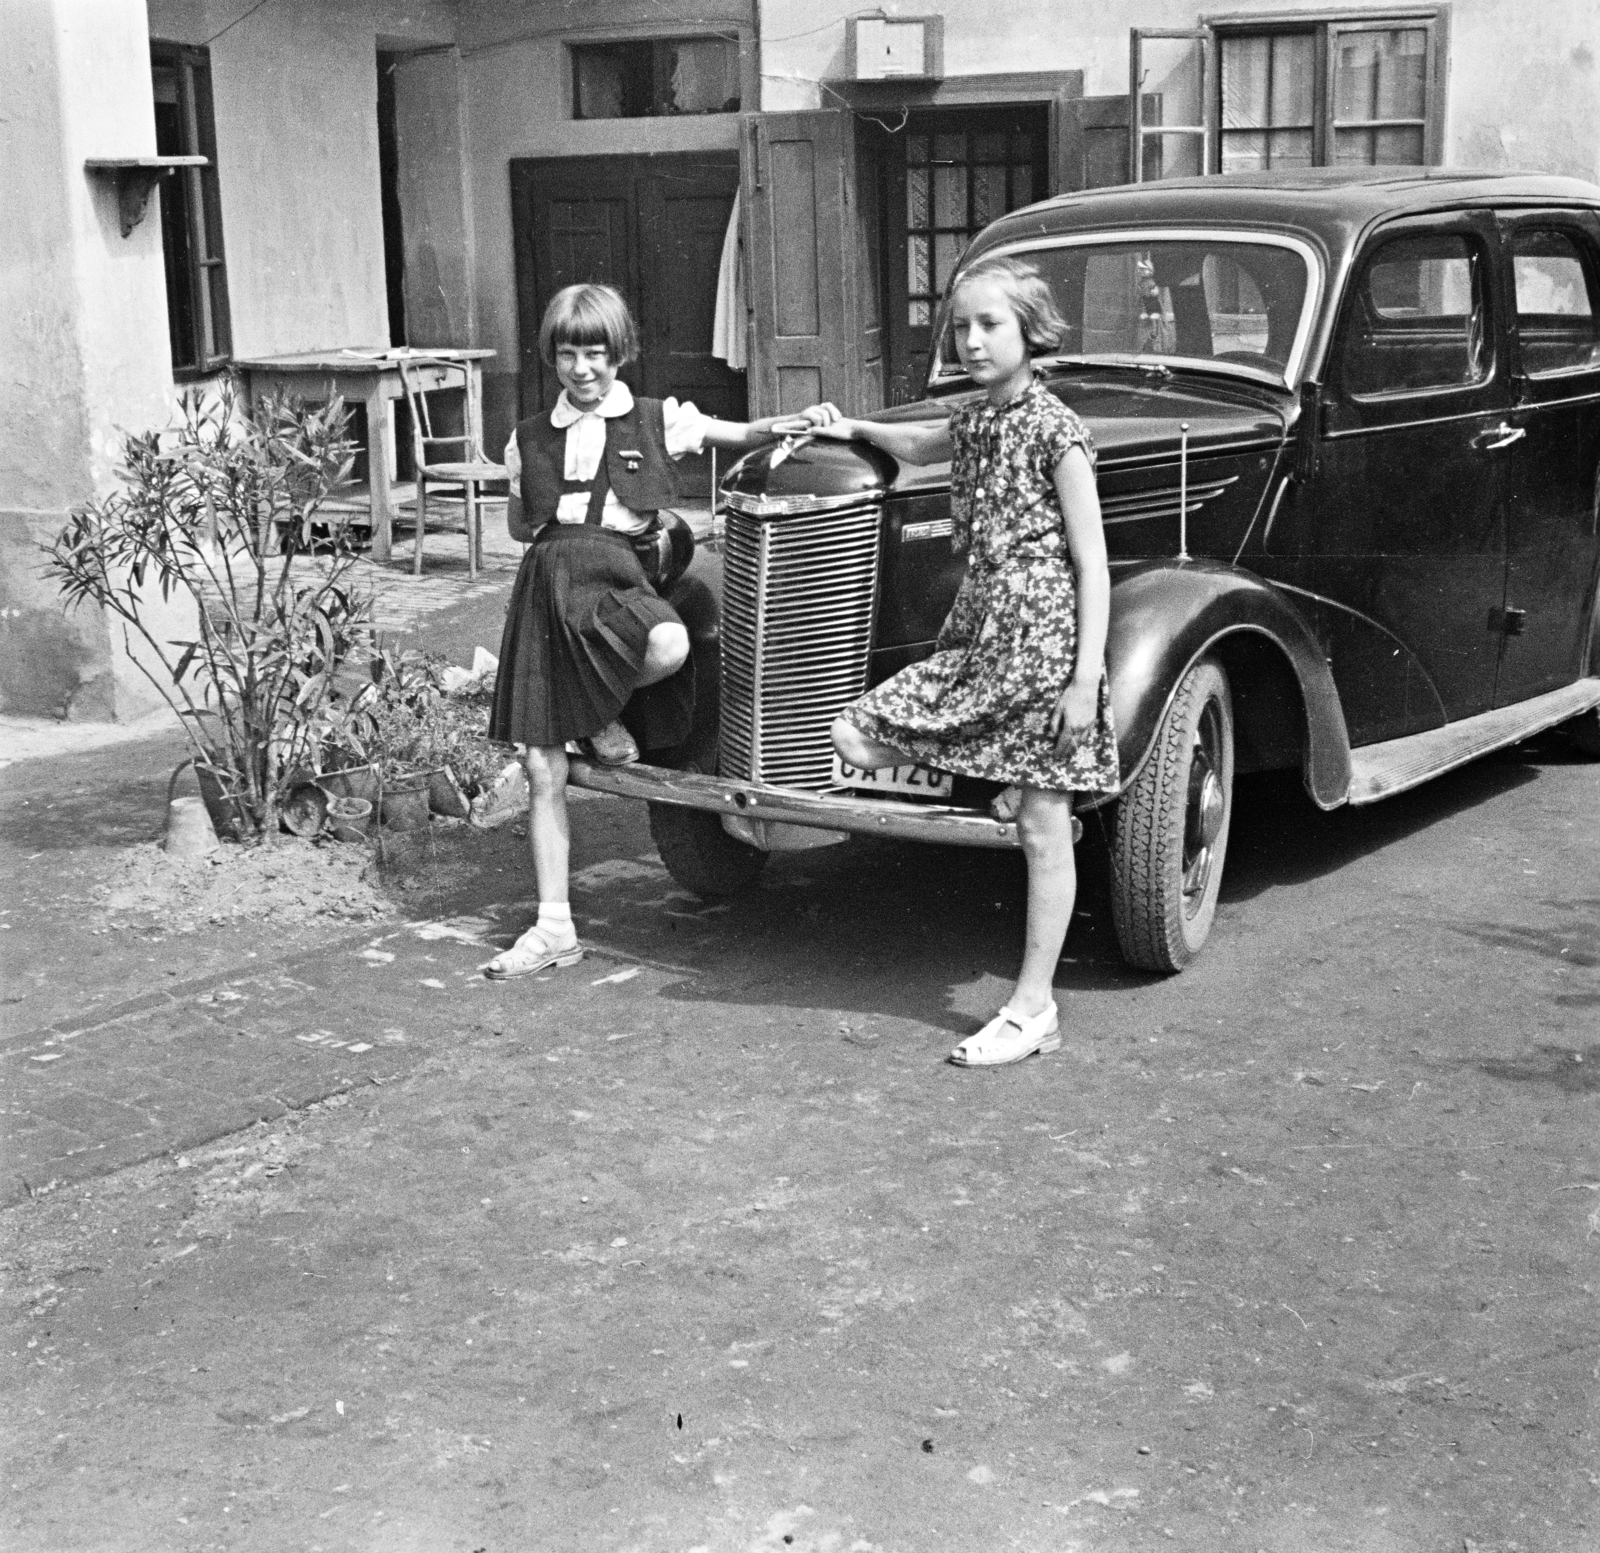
{"x": 1408, "y": 528}
{"x": 1553, "y": 257}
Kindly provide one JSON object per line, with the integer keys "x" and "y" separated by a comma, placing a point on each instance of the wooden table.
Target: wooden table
{"x": 371, "y": 376}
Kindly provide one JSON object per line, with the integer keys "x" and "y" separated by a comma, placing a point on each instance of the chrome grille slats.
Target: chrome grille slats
{"x": 796, "y": 633}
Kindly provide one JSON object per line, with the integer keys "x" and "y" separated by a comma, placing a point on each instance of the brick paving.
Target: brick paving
{"x": 149, "y": 1061}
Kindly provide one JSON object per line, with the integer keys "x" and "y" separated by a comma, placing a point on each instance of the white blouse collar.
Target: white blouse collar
{"x": 618, "y": 401}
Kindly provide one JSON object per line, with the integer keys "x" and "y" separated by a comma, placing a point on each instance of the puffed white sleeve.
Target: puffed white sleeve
{"x": 685, "y": 428}
{"x": 512, "y": 459}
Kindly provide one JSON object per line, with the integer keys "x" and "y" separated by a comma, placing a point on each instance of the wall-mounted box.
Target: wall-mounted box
{"x": 894, "y": 48}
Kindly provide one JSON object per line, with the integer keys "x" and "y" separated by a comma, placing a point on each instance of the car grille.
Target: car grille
{"x": 797, "y": 606}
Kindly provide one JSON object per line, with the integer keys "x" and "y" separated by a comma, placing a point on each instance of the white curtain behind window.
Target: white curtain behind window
{"x": 730, "y": 320}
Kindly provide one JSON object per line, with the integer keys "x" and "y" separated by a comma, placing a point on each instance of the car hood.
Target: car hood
{"x": 1131, "y": 423}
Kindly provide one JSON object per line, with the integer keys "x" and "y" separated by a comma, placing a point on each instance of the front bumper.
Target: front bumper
{"x": 754, "y": 801}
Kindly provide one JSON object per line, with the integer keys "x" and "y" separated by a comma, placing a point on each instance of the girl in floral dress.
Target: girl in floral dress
{"x": 1016, "y": 688}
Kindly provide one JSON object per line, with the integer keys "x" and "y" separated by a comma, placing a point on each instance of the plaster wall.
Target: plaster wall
{"x": 1523, "y": 91}
{"x": 295, "y": 87}
{"x": 515, "y": 104}
{"x": 84, "y": 333}
{"x": 1525, "y": 86}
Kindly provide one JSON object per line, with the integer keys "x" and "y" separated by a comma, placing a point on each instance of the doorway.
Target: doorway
{"x": 653, "y": 227}
{"x": 944, "y": 174}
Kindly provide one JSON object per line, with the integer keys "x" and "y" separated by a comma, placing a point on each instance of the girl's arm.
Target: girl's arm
{"x": 1086, "y": 542}
{"x": 911, "y": 442}
{"x": 749, "y": 434}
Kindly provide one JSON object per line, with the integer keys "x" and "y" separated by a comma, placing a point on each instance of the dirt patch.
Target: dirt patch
{"x": 290, "y": 883}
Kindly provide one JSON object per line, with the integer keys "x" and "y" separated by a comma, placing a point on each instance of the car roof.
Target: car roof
{"x": 1333, "y": 204}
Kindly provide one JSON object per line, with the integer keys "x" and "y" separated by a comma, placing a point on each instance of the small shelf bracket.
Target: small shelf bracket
{"x": 135, "y": 177}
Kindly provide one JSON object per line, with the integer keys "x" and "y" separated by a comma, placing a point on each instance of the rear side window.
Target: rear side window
{"x": 1556, "y": 303}
{"x": 1418, "y": 319}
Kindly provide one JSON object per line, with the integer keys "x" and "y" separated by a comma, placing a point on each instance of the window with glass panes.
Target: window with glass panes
{"x": 957, "y": 182}
{"x": 1330, "y": 93}
{"x": 191, "y": 212}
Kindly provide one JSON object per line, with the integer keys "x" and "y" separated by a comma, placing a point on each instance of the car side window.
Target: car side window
{"x": 1418, "y": 319}
{"x": 1556, "y": 302}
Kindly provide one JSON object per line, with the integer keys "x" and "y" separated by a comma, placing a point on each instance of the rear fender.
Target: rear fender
{"x": 1164, "y": 617}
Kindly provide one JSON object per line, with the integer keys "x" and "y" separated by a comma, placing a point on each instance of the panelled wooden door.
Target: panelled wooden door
{"x": 817, "y": 332}
{"x": 653, "y": 227}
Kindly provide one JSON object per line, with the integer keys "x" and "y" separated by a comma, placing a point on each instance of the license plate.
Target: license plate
{"x": 913, "y": 781}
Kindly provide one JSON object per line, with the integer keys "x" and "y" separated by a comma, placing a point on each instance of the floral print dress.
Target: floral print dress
{"x": 981, "y": 704}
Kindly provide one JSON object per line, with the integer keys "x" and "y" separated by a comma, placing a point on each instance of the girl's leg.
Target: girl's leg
{"x": 863, "y": 753}
{"x": 552, "y": 940}
{"x": 549, "y": 834}
{"x": 1044, "y": 824}
{"x": 666, "y": 650}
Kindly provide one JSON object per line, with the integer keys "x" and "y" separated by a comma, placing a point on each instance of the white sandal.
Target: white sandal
{"x": 1008, "y": 1037}
{"x": 537, "y": 950}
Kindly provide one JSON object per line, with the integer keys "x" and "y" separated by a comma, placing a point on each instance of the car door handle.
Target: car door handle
{"x": 1501, "y": 436}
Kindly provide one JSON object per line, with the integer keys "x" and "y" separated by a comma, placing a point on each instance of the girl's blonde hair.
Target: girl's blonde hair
{"x": 589, "y": 315}
{"x": 1043, "y": 327}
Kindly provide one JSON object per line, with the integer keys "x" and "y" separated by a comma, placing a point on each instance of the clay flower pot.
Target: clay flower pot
{"x": 349, "y": 818}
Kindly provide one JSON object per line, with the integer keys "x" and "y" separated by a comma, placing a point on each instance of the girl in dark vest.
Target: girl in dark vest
{"x": 585, "y": 629}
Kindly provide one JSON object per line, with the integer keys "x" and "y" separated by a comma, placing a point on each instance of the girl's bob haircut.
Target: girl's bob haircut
{"x": 589, "y": 315}
{"x": 1043, "y": 327}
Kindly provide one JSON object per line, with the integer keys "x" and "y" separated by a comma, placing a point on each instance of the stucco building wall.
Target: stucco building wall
{"x": 82, "y": 333}
{"x": 1523, "y": 88}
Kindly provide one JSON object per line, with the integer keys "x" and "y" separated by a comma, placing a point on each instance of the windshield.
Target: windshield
{"x": 1180, "y": 300}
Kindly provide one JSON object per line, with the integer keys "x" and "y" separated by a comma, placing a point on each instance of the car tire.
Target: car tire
{"x": 700, "y": 855}
{"x": 1584, "y": 732}
{"x": 1170, "y": 836}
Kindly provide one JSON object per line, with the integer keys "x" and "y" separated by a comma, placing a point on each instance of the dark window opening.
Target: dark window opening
{"x": 394, "y": 253}
{"x": 191, "y": 212}
{"x": 655, "y": 78}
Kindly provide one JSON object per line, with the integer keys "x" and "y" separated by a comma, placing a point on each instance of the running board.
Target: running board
{"x": 1382, "y": 770}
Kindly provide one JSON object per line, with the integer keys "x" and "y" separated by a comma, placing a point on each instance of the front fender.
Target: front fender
{"x": 1165, "y": 615}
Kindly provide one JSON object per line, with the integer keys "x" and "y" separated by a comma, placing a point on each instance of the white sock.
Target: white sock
{"x": 555, "y": 917}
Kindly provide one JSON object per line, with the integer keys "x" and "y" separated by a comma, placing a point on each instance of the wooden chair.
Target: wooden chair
{"x": 425, "y": 378}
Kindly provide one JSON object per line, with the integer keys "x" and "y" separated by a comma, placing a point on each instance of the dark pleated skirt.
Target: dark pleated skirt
{"x": 574, "y": 642}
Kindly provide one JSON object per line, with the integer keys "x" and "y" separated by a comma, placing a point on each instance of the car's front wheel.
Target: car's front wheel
{"x": 700, "y": 854}
{"x": 1171, "y": 831}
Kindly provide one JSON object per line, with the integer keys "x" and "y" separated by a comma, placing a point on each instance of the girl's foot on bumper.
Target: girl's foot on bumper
{"x": 1009, "y": 1037}
{"x": 613, "y": 746}
{"x": 537, "y": 950}
{"x": 1005, "y": 806}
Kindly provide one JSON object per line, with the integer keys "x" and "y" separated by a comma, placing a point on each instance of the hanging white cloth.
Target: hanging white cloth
{"x": 729, "y": 320}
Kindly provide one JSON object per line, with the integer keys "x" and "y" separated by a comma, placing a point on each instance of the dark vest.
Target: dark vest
{"x": 640, "y": 471}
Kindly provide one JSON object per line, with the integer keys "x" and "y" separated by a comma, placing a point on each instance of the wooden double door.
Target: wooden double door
{"x": 653, "y": 227}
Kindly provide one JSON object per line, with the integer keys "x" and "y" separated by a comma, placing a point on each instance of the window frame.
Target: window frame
{"x": 1350, "y": 412}
{"x": 205, "y": 266}
{"x": 742, "y": 37}
{"x": 943, "y": 374}
{"x": 1580, "y": 227}
{"x": 1325, "y": 27}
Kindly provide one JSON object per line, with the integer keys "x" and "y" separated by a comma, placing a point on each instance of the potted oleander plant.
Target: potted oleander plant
{"x": 226, "y": 510}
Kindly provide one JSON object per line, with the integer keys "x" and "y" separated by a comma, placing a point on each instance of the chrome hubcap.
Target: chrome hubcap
{"x": 1205, "y": 810}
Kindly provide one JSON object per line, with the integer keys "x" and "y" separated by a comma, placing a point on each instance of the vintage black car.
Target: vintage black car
{"x": 1348, "y": 432}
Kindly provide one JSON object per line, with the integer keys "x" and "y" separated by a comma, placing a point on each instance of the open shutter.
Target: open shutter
{"x": 1091, "y": 143}
{"x": 1170, "y": 103}
{"x": 806, "y": 285}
